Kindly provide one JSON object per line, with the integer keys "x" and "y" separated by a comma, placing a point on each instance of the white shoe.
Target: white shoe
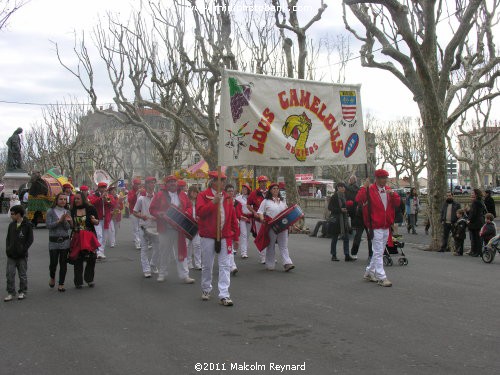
{"x": 384, "y": 282}
{"x": 147, "y": 275}
{"x": 369, "y": 277}
{"x": 9, "y": 298}
{"x": 244, "y": 256}
{"x": 354, "y": 256}
{"x": 188, "y": 280}
{"x": 160, "y": 279}
{"x": 205, "y": 296}
{"x": 112, "y": 246}
{"x": 154, "y": 269}
{"x": 21, "y": 296}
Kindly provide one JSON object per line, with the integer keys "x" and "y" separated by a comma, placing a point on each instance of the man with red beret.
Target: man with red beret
{"x": 84, "y": 189}
{"x": 105, "y": 204}
{"x": 67, "y": 189}
{"x": 132, "y": 196}
{"x": 172, "y": 241}
{"x": 147, "y": 223}
{"x": 208, "y": 203}
{"x": 379, "y": 203}
{"x": 254, "y": 200}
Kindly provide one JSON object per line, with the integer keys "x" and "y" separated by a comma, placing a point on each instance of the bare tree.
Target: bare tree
{"x": 389, "y": 146}
{"x": 8, "y": 8}
{"x": 424, "y": 58}
{"x": 413, "y": 151}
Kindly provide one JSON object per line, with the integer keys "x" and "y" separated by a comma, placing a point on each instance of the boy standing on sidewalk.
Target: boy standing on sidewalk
{"x": 19, "y": 239}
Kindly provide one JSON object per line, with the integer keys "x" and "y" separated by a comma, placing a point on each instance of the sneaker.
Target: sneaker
{"x": 205, "y": 296}
{"x": 21, "y": 296}
{"x": 112, "y": 246}
{"x": 354, "y": 257}
{"x": 154, "y": 269}
{"x": 288, "y": 267}
{"x": 160, "y": 279}
{"x": 91, "y": 284}
{"x": 244, "y": 256}
{"x": 226, "y": 301}
{"x": 348, "y": 258}
{"x": 384, "y": 282}
{"x": 335, "y": 259}
{"x": 9, "y": 297}
{"x": 188, "y": 280}
{"x": 369, "y": 277}
{"x": 147, "y": 275}
{"x": 234, "y": 272}
{"x": 198, "y": 268}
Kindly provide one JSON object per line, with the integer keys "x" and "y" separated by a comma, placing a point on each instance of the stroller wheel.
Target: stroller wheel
{"x": 401, "y": 261}
{"x": 405, "y": 261}
{"x": 387, "y": 261}
{"x": 487, "y": 256}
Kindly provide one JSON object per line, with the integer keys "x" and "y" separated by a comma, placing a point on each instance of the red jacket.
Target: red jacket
{"x": 380, "y": 218}
{"x": 255, "y": 199}
{"x": 159, "y": 206}
{"x": 207, "y": 213}
{"x": 104, "y": 208}
{"x": 132, "y": 198}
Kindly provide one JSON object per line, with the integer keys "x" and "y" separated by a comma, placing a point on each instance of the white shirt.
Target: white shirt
{"x": 221, "y": 209}
{"x": 383, "y": 195}
{"x": 272, "y": 208}
{"x": 25, "y": 197}
{"x": 319, "y": 194}
{"x": 243, "y": 200}
{"x": 174, "y": 199}
{"x": 142, "y": 206}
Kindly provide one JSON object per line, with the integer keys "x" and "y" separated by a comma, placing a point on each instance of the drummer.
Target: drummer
{"x": 147, "y": 222}
{"x": 254, "y": 200}
{"x": 207, "y": 205}
{"x": 171, "y": 241}
{"x": 272, "y": 206}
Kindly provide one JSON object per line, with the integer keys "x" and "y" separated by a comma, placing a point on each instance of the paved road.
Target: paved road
{"x": 440, "y": 317}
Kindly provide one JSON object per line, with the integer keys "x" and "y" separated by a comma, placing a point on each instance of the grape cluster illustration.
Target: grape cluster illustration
{"x": 240, "y": 96}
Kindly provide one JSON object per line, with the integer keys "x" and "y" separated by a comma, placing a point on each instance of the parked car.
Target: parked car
{"x": 495, "y": 190}
{"x": 457, "y": 190}
{"x": 423, "y": 191}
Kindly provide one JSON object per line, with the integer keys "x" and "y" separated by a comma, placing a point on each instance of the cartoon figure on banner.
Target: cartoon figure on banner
{"x": 235, "y": 140}
{"x": 348, "y": 103}
{"x": 298, "y": 127}
{"x": 240, "y": 97}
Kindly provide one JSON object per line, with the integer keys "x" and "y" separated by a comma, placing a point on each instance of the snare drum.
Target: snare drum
{"x": 286, "y": 218}
{"x": 182, "y": 222}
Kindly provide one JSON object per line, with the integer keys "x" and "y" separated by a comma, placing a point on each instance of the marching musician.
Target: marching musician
{"x": 116, "y": 216}
{"x": 84, "y": 189}
{"x": 229, "y": 189}
{"x": 132, "y": 196}
{"x": 105, "y": 204}
{"x": 194, "y": 245}
{"x": 208, "y": 203}
{"x": 68, "y": 192}
{"x": 245, "y": 219}
{"x": 272, "y": 206}
{"x": 254, "y": 201}
{"x": 181, "y": 186}
{"x": 147, "y": 221}
{"x": 171, "y": 241}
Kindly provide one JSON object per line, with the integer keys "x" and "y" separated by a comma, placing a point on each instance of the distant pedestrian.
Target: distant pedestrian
{"x": 475, "y": 222}
{"x": 19, "y": 240}
{"x": 319, "y": 194}
{"x": 340, "y": 222}
{"x": 489, "y": 202}
{"x": 412, "y": 208}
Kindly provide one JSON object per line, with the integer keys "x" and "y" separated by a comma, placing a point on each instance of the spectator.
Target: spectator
{"x": 340, "y": 222}
{"x": 448, "y": 218}
{"x": 459, "y": 232}
{"x": 319, "y": 195}
{"x": 412, "y": 207}
{"x": 476, "y": 214}
{"x": 489, "y": 202}
{"x": 489, "y": 229}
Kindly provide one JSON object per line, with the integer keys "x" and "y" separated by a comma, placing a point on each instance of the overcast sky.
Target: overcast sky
{"x": 30, "y": 72}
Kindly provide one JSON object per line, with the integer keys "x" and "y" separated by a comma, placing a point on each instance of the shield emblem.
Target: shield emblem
{"x": 348, "y": 103}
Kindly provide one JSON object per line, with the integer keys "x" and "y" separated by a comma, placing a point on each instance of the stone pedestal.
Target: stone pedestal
{"x": 12, "y": 181}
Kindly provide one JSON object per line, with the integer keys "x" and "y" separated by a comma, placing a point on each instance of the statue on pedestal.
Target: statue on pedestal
{"x": 14, "y": 161}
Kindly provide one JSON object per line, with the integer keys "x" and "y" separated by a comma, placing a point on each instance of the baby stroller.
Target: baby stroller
{"x": 490, "y": 250}
{"x": 395, "y": 246}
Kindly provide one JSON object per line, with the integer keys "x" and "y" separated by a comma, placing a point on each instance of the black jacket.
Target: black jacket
{"x": 454, "y": 207}
{"x": 354, "y": 211}
{"x": 19, "y": 239}
{"x": 460, "y": 229}
{"x": 476, "y": 214}
{"x": 489, "y": 202}
{"x": 90, "y": 211}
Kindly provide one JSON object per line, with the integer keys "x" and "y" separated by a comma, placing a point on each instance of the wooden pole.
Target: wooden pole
{"x": 218, "y": 209}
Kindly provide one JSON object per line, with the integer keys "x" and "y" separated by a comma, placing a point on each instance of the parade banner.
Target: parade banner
{"x": 273, "y": 121}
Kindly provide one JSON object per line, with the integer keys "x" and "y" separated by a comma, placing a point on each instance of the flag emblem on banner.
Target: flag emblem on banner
{"x": 348, "y": 103}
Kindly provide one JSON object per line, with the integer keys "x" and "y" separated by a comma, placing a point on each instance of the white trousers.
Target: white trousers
{"x": 376, "y": 266}
{"x": 113, "y": 226}
{"x": 167, "y": 251}
{"x": 262, "y": 253}
{"x": 282, "y": 239}
{"x": 135, "y": 231}
{"x": 207, "y": 258}
{"x": 244, "y": 235}
{"x": 149, "y": 258}
{"x": 99, "y": 231}
{"x": 194, "y": 252}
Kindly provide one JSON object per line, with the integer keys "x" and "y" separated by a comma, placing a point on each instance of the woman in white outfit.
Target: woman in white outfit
{"x": 271, "y": 207}
{"x": 245, "y": 220}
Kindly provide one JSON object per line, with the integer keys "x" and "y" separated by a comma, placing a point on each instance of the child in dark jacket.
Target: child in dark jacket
{"x": 489, "y": 230}
{"x": 19, "y": 239}
{"x": 459, "y": 232}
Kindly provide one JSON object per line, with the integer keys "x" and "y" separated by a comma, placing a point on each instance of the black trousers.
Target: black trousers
{"x": 88, "y": 275}
{"x": 446, "y": 234}
{"x": 357, "y": 241}
{"x": 475, "y": 242}
{"x": 459, "y": 246}
{"x": 58, "y": 256}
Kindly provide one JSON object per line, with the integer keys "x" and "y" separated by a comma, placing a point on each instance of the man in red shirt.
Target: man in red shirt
{"x": 253, "y": 203}
{"x": 172, "y": 242}
{"x": 208, "y": 203}
{"x": 105, "y": 204}
{"x": 132, "y": 196}
{"x": 378, "y": 215}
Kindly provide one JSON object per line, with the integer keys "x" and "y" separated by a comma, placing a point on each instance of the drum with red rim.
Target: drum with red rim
{"x": 182, "y": 222}
{"x": 286, "y": 218}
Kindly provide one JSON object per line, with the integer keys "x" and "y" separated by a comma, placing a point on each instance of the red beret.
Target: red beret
{"x": 170, "y": 178}
{"x": 150, "y": 179}
{"x": 181, "y": 183}
{"x": 67, "y": 186}
{"x": 102, "y": 184}
{"x": 381, "y": 173}
{"x": 84, "y": 188}
{"x": 136, "y": 181}
{"x": 273, "y": 184}
{"x": 214, "y": 174}
{"x": 262, "y": 178}
{"x": 247, "y": 186}
{"x": 281, "y": 185}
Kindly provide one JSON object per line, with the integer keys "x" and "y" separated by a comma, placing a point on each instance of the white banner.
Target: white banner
{"x": 273, "y": 121}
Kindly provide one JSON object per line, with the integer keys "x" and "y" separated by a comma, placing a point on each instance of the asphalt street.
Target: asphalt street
{"x": 440, "y": 317}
